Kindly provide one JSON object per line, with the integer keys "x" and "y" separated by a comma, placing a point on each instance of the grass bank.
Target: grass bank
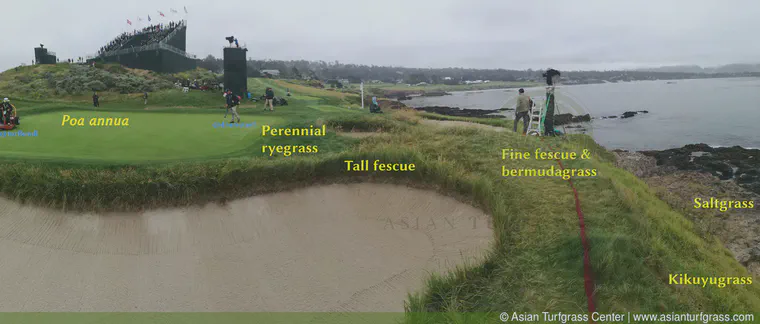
{"x": 453, "y": 87}
{"x": 536, "y": 264}
{"x": 498, "y": 122}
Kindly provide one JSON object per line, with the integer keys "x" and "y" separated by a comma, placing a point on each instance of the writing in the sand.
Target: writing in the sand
{"x": 377, "y": 165}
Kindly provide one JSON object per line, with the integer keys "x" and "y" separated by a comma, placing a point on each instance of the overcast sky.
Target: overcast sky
{"x": 564, "y": 34}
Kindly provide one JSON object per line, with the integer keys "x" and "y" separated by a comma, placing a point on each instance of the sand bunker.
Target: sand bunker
{"x": 357, "y": 247}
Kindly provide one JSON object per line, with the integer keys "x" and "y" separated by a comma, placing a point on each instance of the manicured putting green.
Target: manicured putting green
{"x": 149, "y": 137}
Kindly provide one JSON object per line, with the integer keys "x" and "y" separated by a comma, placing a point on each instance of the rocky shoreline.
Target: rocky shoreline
{"x": 678, "y": 176}
{"x": 559, "y": 119}
{"x": 627, "y": 114}
{"x": 458, "y": 112}
{"x": 727, "y": 163}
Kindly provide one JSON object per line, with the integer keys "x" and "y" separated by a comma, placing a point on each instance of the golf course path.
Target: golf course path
{"x": 358, "y": 247}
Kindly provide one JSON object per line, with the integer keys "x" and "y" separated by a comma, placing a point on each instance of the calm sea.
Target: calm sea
{"x": 719, "y": 112}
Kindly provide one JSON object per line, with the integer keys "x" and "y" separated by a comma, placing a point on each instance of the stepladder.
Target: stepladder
{"x": 536, "y": 115}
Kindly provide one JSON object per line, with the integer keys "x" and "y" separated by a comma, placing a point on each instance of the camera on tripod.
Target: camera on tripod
{"x": 552, "y": 76}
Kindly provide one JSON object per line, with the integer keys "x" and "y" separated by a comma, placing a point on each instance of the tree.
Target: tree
{"x": 296, "y": 73}
{"x": 253, "y": 72}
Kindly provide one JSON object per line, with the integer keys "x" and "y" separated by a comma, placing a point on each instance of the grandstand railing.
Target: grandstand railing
{"x": 174, "y": 32}
{"x": 150, "y": 47}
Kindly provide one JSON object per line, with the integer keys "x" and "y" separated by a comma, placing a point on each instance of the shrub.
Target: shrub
{"x": 96, "y": 85}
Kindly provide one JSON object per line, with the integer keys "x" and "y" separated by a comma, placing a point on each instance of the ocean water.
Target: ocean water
{"x": 718, "y": 112}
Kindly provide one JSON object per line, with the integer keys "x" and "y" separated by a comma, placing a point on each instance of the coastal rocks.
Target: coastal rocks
{"x": 627, "y": 114}
{"x": 434, "y": 94}
{"x": 727, "y": 163}
{"x": 563, "y": 119}
{"x": 738, "y": 229}
{"x": 635, "y": 162}
{"x": 397, "y": 94}
{"x": 390, "y": 104}
{"x": 449, "y": 111}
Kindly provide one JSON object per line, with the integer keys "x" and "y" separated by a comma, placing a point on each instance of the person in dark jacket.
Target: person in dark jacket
{"x": 145, "y": 96}
{"x": 269, "y": 96}
{"x": 232, "y": 102}
{"x": 95, "y": 101}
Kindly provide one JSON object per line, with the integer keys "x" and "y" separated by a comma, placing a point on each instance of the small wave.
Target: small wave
{"x": 744, "y": 147}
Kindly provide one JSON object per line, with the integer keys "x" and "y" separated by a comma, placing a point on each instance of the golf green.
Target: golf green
{"x": 147, "y": 136}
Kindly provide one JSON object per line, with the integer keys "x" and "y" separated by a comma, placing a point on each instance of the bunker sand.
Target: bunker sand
{"x": 359, "y": 247}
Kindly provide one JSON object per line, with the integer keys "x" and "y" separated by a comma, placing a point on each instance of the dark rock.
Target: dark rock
{"x": 435, "y": 94}
{"x": 627, "y": 114}
{"x": 390, "y": 104}
{"x": 701, "y": 147}
{"x": 562, "y": 119}
{"x": 454, "y": 111}
{"x": 727, "y": 163}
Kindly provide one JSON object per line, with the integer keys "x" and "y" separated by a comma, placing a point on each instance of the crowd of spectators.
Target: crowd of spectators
{"x": 155, "y": 33}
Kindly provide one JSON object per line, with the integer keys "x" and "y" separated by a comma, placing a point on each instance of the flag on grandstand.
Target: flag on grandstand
{"x": 185, "y": 9}
{"x": 129, "y": 22}
{"x": 148, "y": 17}
{"x": 161, "y": 13}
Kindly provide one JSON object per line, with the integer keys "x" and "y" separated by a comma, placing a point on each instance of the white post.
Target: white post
{"x": 362, "y": 88}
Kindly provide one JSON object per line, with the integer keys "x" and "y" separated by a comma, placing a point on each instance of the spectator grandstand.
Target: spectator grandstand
{"x": 159, "y": 48}
{"x": 146, "y": 36}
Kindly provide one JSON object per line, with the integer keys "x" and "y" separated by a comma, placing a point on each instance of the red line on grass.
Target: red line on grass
{"x": 588, "y": 278}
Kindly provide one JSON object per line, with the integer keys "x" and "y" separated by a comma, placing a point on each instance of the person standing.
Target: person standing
{"x": 522, "y": 111}
{"x": 232, "y": 102}
{"x": 145, "y": 96}
{"x": 269, "y": 95}
{"x": 374, "y": 107}
{"x": 95, "y": 98}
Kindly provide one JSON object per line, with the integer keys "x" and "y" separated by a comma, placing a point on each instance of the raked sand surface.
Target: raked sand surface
{"x": 358, "y": 247}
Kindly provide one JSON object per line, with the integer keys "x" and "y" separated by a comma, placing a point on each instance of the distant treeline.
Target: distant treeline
{"x": 322, "y": 70}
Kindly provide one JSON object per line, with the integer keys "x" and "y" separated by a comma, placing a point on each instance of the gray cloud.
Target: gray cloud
{"x": 578, "y": 34}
